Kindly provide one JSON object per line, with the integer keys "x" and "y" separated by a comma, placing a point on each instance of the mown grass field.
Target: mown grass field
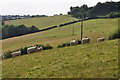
{"x": 43, "y": 22}
{"x": 92, "y": 28}
{"x": 94, "y": 60}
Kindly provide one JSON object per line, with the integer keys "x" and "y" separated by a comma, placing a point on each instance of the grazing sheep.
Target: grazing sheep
{"x": 100, "y": 39}
{"x": 40, "y": 49}
{"x": 73, "y": 42}
{"x": 85, "y": 40}
{"x": 14, "y": 54}
{"x": 1, "y": 56}
{"x": 32, "y": 49}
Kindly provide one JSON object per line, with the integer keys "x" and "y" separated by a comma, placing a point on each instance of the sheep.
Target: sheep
{"x": 73, "y": 42}
{"x": 1, "y": 56}
{"x": 39, "y": 49}
{"x": 85, "y": 40}
{"x": 100, "y": 39}
{"x": 32, "y": 49}
{"x": 14, "y": 54}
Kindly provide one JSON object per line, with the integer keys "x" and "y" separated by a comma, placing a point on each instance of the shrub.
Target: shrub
{"x": 114, "y": 15}
{"x": 115, "y": 35}
{"x": 79, "y": 41}
{"x": 23, "y": 50}
{"x": 44, "y": 47}
{"x": 47, "y": 47}
{"x": 8, "y": 54}
{"x": 63, "y": 45}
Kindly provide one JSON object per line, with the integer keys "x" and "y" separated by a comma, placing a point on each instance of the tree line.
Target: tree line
{"x": 12, "y": 30}
{"x": 101, "y": 9}
{"x": 14, "y": 17}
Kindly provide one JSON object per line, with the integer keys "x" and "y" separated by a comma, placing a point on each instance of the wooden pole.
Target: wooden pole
{"x": 73, "y": 30}
{"x": 81, "y": 29}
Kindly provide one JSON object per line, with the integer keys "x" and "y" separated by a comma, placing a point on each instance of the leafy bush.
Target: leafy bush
{"x": 115, "y": 35}
{"x": 47, "y": 47}
{"x": 8, "y": 54}
{"x": 23, "y": 50}
{"x": 114, "y": 15}
{"x": 79, "y": 41}
{"x": 63, "y": 45}
{"x": 67, "y": 44}
{"x": 44, "y": 47}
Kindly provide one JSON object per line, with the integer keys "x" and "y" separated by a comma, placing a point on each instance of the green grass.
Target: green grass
{"x": 92, "y": 28}
{"x": 94, "y": 60}
{"x": 42, "y": 22}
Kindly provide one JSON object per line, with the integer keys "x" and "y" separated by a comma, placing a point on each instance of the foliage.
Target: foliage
{"x": 47, "y": 47}
{"x": 100, "y": 9}
{"x": 24, "y": 50}
{"x": 79, "y": 41}
{"x": 67, "y": 44}
{"x": 114, "y": 14}
{"x": 12, "y": 31}
{"x": 115, "y": 35}
{"x": 63, "y": 45}
{"x": 8, "y": 54}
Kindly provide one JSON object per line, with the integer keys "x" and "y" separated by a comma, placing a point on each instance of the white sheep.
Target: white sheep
{"x": 39, "y": 48}
{"x": 100, "y": 39}
{"x": 73, "y": 42}
{"x": 32, "y": 49}
{"x": 85, "y": 40}
{"x": 14, "y": 54}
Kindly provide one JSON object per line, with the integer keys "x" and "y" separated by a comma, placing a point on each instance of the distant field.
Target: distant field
{"x": 94, "y": 60}
{"x": 43, "y": 22}
{"x": 92, "y": 28}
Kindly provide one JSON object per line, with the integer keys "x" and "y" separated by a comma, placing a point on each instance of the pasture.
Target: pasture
{"x": 94, "y": 60}
{"x": 92, "y": 28}
{"x": 43, "y": 22}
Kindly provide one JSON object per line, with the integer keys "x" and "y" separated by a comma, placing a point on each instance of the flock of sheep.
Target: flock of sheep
{"x": 29, "y": 50}
{"x": 72, "y": 43}
{"x": 84, "y": 41}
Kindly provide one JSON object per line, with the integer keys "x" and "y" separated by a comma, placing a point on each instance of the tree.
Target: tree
{"x": 33, "y": 29}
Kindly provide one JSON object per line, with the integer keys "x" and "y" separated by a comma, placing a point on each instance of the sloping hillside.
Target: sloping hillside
{"x": 94, "y": 60}
{"x": 92, "y": 28}
{"x": 43, "y": 22}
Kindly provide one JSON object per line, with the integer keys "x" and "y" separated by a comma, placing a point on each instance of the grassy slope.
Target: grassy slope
{"x": 95, "y": 60}
{"x": 99, "y": 28}
{"x": 42, "y": 22}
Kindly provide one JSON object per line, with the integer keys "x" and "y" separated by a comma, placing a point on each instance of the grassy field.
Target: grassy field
{"x": 94, "y": 60}
{"x": 92, "y": 28}
{"x": 43, "y": 22}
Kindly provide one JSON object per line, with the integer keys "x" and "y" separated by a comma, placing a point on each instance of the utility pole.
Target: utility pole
{"x": 73, "y": 31}
{"x": 81, "y": 29}
{"x": 82, "y": 26}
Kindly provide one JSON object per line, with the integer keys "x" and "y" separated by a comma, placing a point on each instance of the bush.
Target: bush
{"x": 8, "y": 54}
{"x": 79, "y": 41}
{"x": 23, "y": 50}
{"x": 67, "y": 44}
{"x": 63, "y": 45}
{"x": 44, "y": 47}
{"x": 115, "y": 35}
{"x": 114, "y": 15}
{"x": 47, "y": 47}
